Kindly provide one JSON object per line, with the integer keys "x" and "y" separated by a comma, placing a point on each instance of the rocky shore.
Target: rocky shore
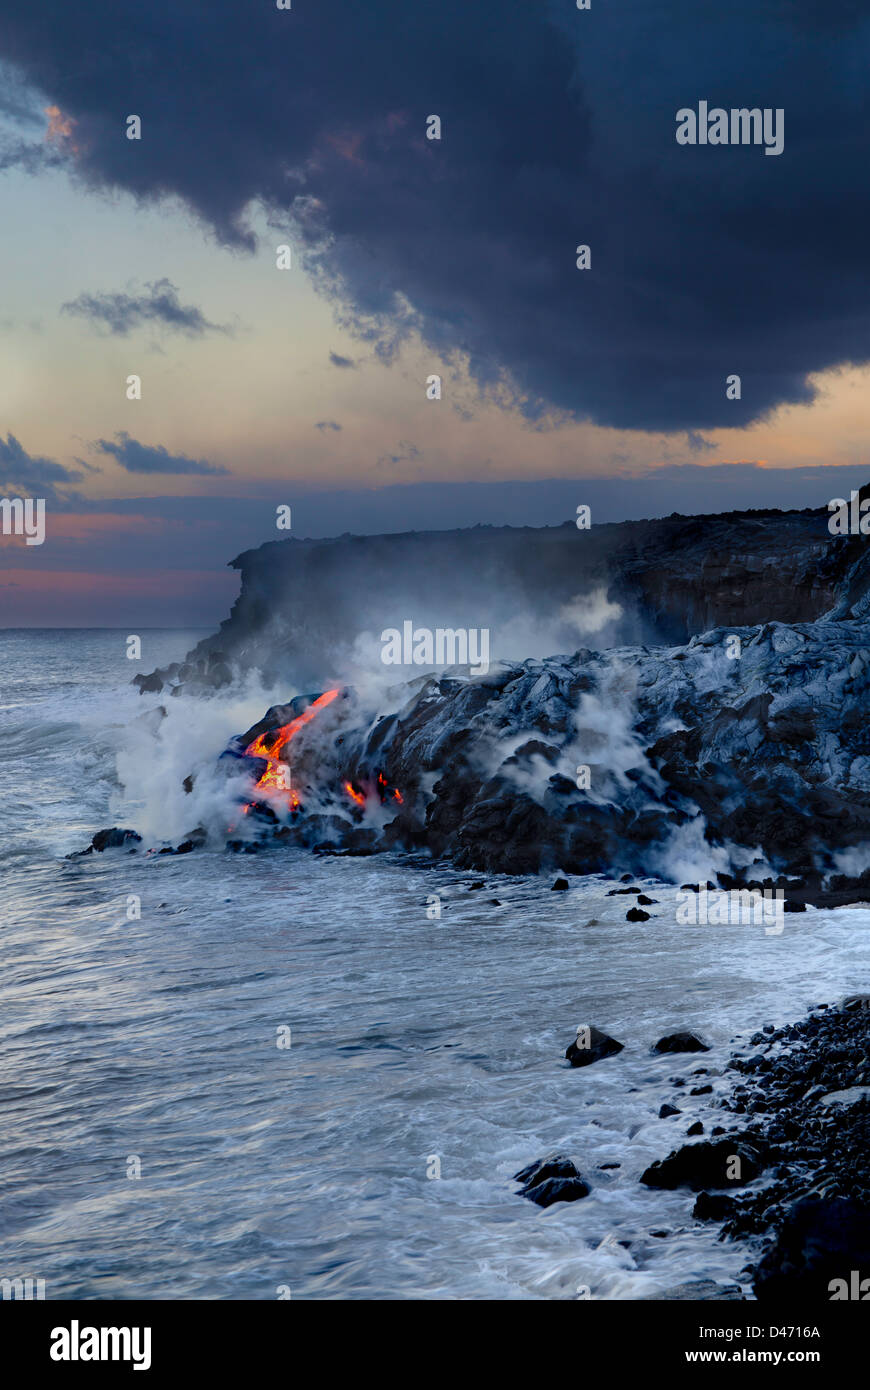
{"x": 647, "y": 761}
{"x": 782, "y": 1162}
{"x": 787, "y": 1165}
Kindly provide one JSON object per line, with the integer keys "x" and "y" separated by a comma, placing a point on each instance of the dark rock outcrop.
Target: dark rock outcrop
{"x": 551, "y": 1190}
{"x": 554, "y": 1179}
{"x": 113, "y": 838}
{"x": 720, "y": 1163}
{"x": 714, "y": 755}
{"x": 821, "y": 1252}
{"x": 680, "y": 1042}
{"x": 591, "y": 1045}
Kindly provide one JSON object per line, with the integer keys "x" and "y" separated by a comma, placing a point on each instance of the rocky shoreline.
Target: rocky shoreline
{"x": 785, "y": 1166}
{"x": 798, "y": 1122}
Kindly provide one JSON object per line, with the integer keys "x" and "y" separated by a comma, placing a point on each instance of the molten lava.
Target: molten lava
{"x": 358, "y": 797}
{"x": 384, "y": 787}
{"x": 270, "y": 744}
{"x": 275, "y": 777}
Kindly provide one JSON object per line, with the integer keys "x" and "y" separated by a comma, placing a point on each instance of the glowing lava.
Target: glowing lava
{"x": 358, "y": 797}
{"x": 384, "y": 787}
{"x": 275, "y": 777}
{"x": 270, "y": 744}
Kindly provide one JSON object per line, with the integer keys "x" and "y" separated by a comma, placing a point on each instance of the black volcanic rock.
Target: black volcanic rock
{"x": 599, "y": 1045}
{"x": 553, "y": 1179}
{"x": 551, "y": 1190}
{"x": 114, "y": 838}
{"x": 819, "y": 1245}
{"x": 708, "y": 1165}
{"x": 708, "y": 751}
{"x": 680, "y": 1042}
{"x": 712, "y": 1206}
{"x": 556, "y": 1166}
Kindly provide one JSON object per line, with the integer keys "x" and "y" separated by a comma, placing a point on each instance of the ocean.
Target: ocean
{"x": 285, "y": 1078}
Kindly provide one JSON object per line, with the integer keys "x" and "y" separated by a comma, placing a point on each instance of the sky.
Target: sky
{"x": 306, "y": 387}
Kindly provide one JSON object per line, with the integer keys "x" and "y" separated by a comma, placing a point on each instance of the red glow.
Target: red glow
{"x": 270, "y": 744}
{"x": 357, "y": 796}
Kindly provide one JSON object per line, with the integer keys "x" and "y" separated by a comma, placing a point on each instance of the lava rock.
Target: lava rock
{"x": 818, "y": 1246}
{"x": 556, "y": 1166}
{"x": 680, "y": 1042}
{"x": 551, "y": 1190}
{"x": 668, "y": 1110}
{"x": 600, "y": 1045}
{"x": 560, "y": 885}
{"x": 115, "y": 838}
{"x": 148, "y": 685}
{"x": 636, "y": 914}
{"x": 712, "y": 1206}
{"x": 707, "y": 1165}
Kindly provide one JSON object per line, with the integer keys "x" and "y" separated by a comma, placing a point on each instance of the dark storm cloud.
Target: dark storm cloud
{"x": 147, "y": 458}
{"x": 121, "y": 313}
{"x": 31, "y": 475}
{"x": 324, "y": 425}
{"x": 558, "y": 130}
{"x": 338, "y": 361}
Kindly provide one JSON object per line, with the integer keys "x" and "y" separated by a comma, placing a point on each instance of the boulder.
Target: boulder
{"x": 591, "y": 1045}
{"x": 114, "y": 838}
{"x": 713, "y": 1206}
{"x": 680, "y": 1042}
{"x": 556, "y": 1166}
{"x": 553, "y": 1179}
{"x": 709, "y": 1164}
{"x": 551, "y": 1190}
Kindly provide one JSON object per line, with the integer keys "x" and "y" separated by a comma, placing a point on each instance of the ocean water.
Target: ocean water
{"x": 417, "y": 1046}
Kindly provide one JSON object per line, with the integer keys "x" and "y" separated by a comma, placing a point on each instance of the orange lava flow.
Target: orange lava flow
{"x": 270, "y": 744}
{"x": 357, "y": 796}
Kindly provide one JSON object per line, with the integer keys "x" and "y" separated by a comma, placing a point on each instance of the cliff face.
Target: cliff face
{"x": 304, "y": 604}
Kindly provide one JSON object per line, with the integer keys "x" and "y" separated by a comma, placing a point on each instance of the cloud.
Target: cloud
{"x": 121, "y": 313}
{"x": 558, "y": 130}
{"x": 147, "y": 458}
{"x": 324, "y": 425}
{"x": 338, "y": 361}
{"x": 29, "y": 475}
{"x": 698, "y": 444}
{"x": 406, "y": 453}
